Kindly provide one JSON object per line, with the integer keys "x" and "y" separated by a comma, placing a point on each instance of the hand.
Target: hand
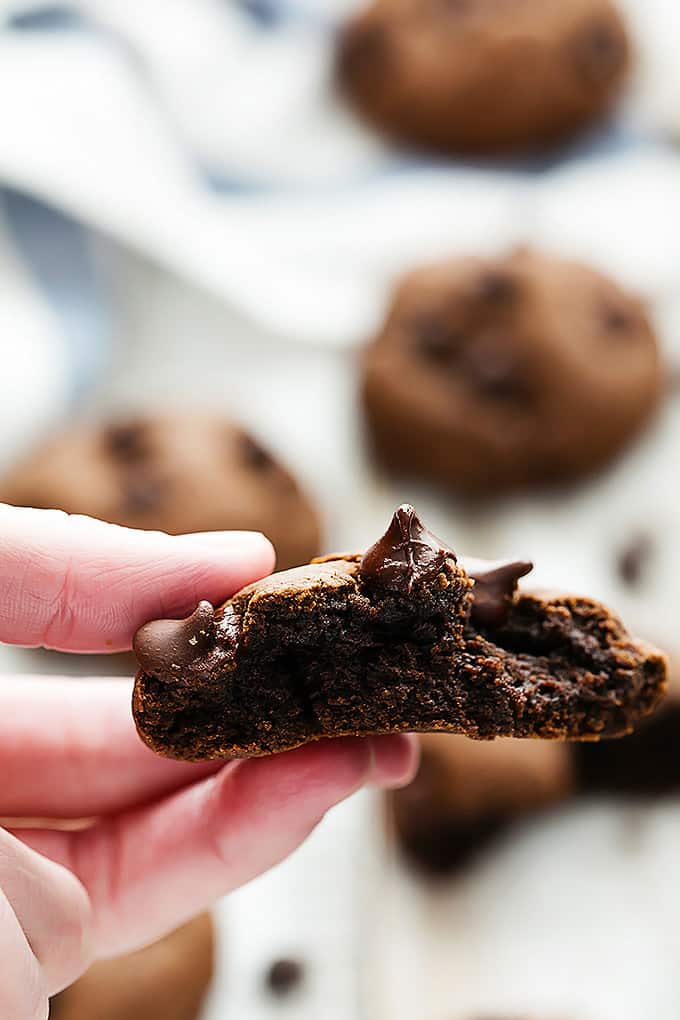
{"x": 167, "y": 837}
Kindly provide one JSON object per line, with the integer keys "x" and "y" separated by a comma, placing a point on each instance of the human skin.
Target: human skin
{"x": 165, "y": 838}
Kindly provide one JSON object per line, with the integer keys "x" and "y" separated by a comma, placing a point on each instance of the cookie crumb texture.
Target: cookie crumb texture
{"x": 483, "y": 75}
{"x": 493, "y": 374}
{"x": 178, "y": 473}
{"x": 385, "y": 643}
{"x": 165, "y": 981}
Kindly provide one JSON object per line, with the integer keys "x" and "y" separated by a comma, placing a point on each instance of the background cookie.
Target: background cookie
{"x": 494, "y": 373}
{"x": 481, "y": 75}
{"x": 174, "y": 473}
{"x": 166, "y": 981}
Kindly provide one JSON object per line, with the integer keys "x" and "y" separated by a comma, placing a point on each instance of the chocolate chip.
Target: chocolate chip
{"x": 599, "y": 52}
{"x": 255, "y": 455}
{"x": 405, "y": 555}
{"x": 284, "y": 976}
{"x": 495, "y": 584}
{"x": 492, "y": 368}
{"x": 496, "y": 287}
{"x": 634, "y": 559}
{"x": 617, "y": 320}
{"x": 142, "y": 494}
{"x": 163, "y": 646}
{"x": 127, "y": 441}
{"x": 434, "y": 341}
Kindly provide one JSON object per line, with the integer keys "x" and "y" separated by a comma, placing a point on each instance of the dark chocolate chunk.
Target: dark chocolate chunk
{"x": 407, "y": 554}
{"x": 496, "y": 287}
{"x": 490, "y": 364}
{"x": 495, "y": 584}
{"x": 434, "y": 340}
{"x": 284, "y": 976}
{"x": 174, "y": 644}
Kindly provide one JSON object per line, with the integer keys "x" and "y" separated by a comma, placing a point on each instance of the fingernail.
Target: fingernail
{"x": 245, "y": 543}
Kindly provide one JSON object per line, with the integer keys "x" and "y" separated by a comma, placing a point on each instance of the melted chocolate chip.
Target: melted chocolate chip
{"x": 407, "y": 554}
{"x": 255, "y": 455}
{"x": 127, "y": 441}
{"x": 284, "y": 976}
{"x": 599, "y": 52}
{"x": 495, "y": 584}
{"x": 141, "y": 494}
{"x": 617, "y": 320}
{"x": 166, "y": 646}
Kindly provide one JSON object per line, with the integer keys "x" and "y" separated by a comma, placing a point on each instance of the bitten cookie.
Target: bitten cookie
{"x": 174, "y": 473}
{"x": 483, "y": 75}
{"x": 166, "y": 981}
{"x": 491, "y": 374}
{"x": 403, "y": 638}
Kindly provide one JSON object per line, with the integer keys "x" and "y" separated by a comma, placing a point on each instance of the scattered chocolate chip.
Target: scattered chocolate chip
{"x": 284, "y": 976}
{"x": 617, "y": 320}
{"x": 492, "y": 368}
{"x": 127, "y": 441}
{"x": 255, "y": 455}
{"x": 496, "y": 287}
{"x": 599, "y": 52}
{"x": 434, "y": 341}
{"x": 142, "y": 494}
{"x": 633, "y": 560}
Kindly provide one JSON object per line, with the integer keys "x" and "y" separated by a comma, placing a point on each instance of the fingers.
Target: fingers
{"x": 52, "y": 909}
{"x": 23, "y": 991}
{"x": 76, "y": 584}
{"x": 149, "y": 869}
{"x": 69, "y": 749}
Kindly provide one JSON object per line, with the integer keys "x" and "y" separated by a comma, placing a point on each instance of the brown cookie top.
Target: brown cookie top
{"x": 178, "y": 473}
{"x": 483, "y": 75}
{"x": 492, "y": 373}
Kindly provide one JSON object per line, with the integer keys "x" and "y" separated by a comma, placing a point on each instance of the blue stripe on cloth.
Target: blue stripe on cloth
{"x": 57, "y": 252}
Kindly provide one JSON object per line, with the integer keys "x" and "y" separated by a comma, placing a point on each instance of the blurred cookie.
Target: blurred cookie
{"x": 166, "y": 981}
{"x": 494, "y": 373}
{"x": 467, "y": 792}
{"x": 483, "y": 75}
{"x": 174, "y": 473}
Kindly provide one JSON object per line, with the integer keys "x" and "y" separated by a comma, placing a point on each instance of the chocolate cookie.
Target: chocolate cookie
{"x": 166, "y": 981}
{"x": 403, "y": 638}
{"x": 483, "y": 75}
{"x": 174, "y": 473}
{"x": 496, "y": 373}
{"x": 468, "y": 793}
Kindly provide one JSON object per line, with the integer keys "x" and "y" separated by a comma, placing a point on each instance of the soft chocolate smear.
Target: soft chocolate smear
{"x": 166, "y": 646}
{"x": 406, "y": 554}
{"x": 495, "y": 584}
